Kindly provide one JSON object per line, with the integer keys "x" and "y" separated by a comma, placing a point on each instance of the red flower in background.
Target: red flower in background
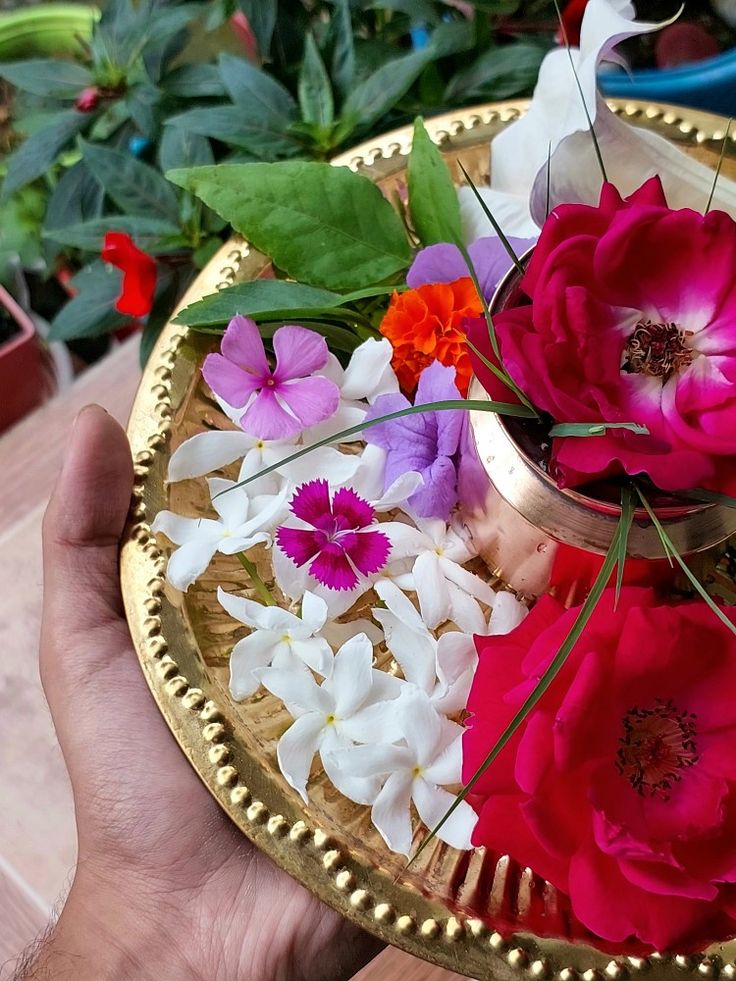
{"x": 139, "y": 274}
{"x": 88, "y": 99}
{"x": 620, "y": 787}
{"x": 572, "y": 21}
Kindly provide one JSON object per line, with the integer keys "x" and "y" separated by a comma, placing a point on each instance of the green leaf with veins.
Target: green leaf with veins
{"x": 39, "y": 152}
{"x": 135, "y": 187}
{"x": 433, "y": 200}
{"x": 47, "y": 77}
{"x": 315, "y": 91}
{"x": 325, "y": 226}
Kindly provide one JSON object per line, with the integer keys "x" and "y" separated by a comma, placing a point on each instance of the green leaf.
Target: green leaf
{"x": 248, "y": 86}
{"x": 419, "y": 11}
{"x": 92, "y": 311}
{"x": 627, "y": 517}
{"x": 274, "y": 299}
{"x": 583, "y": 429}
{"x": 671, "y": 549}
{"x": 144, "y": 104}
{"x": 195, "y": 82}
{"x": 48, "y": 77}
{"x": 315, "y": 91}
{"x": 433, "y": 201}
{"x": 181, "y": 148}
{"x": 453, "y": 37}
{"x": 261, "y": 15}
{"x": 76, "y": 198}
{"x": 471, "y": 405}
{"x": 39, "y": 152}
{"x": 89, "y": 235}
{"x": 202, "y": 255}
{"x": 499, "y": 73}
{"x": 135, "y": 187}
{"x": 107, "y": 123}
{"x": 325, "y": 226}
{"x": 549, "y": 675}
{"x": 380, "y": 92}
{"x": 343, "y": 48}
{"x": 256, "y": 131}
{"x": 338, "y": 338}
{"x": 255, "y": 299}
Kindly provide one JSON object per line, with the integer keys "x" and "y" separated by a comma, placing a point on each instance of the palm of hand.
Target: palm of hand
{"x": 153, "y": 844}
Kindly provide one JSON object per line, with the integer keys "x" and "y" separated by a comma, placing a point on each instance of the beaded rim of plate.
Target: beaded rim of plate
{"x": 397, "y": 913}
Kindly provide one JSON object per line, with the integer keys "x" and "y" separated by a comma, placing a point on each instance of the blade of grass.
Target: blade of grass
{"x": 258, "y": 584}
{"x": 475, "y": 405}
{"x": 595, "y": 428}
{"x": 591, "y": 127}
{"x": 503, "y": 375}
{"x": 720, "y": 165}
{"x": 493, "y": 368}
{"x": 709, "y": 497}
{"x": 586, "y": 611}
{"x": 491, "y": 217}
{"x": 627, "y": 516}
{"x": 670, "y": 547}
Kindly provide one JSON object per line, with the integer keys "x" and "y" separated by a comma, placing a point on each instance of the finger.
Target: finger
{"x": 81, "y": 536}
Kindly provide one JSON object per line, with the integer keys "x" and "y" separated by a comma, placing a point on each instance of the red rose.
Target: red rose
{"x": 632, "y": 319}
{"x": 139, "y": 274}
{"x": 620, "y": 787}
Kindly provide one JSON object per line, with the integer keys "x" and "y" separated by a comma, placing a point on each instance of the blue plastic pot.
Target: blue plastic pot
{"x": 709, "y": 84}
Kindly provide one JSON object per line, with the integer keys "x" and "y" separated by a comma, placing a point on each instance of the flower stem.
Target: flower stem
{"x": 447, "y": 405}
{"x": 258, "y": 584}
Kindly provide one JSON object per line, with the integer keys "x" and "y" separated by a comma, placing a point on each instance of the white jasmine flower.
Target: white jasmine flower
{"x": 429, "y": 759}
{"x": 369, "y": 481}
{"x": 446, "y": 591}
{"x": 242, "y": 523}
{"x": 368, "y": 375}
{"x": 209, "y": 451}
{"x": 443, "y": 669}
{"x": 353, "y": 704}
{"x": 277, "y": 638}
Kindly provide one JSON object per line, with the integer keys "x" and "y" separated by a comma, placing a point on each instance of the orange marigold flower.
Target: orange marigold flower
{"x": 428, "y": 324}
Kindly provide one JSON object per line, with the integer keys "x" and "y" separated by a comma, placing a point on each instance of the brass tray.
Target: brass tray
{"x": 474, "y": 913}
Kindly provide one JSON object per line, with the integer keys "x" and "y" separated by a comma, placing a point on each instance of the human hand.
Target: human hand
{"x": 166, "y": 887}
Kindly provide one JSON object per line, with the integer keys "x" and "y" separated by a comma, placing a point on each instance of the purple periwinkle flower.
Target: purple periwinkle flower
{"x": 428, "y": 442}
{"x": 444, "y": 263}
{"x": 277, "y": 402}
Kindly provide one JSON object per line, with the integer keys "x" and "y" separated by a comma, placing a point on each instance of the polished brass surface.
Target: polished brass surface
{"x": 471, "y": 913}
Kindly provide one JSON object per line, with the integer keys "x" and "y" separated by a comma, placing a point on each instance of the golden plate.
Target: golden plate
{"x": 470, "y": 912}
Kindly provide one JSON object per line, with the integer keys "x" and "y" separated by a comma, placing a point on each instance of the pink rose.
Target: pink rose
{"x": 620, "y": 787}
{"x": 632, "y": 319}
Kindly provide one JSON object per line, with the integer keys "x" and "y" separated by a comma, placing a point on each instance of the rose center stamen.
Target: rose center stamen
{"x": 657, "y": 745}
{"x": 659, "y": 350}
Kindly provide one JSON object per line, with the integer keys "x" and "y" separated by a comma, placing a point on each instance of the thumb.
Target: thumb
{"x": 82, "y": 607}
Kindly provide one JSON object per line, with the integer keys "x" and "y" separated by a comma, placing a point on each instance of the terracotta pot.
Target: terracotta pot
{"x": 527, "y": 528}
{"x": 25, "y": 376}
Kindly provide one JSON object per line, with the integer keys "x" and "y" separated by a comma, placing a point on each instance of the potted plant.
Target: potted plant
{"x": 25, "y": 376}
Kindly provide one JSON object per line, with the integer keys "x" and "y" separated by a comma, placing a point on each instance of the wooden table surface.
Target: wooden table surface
{"x": 37, "y": 832}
